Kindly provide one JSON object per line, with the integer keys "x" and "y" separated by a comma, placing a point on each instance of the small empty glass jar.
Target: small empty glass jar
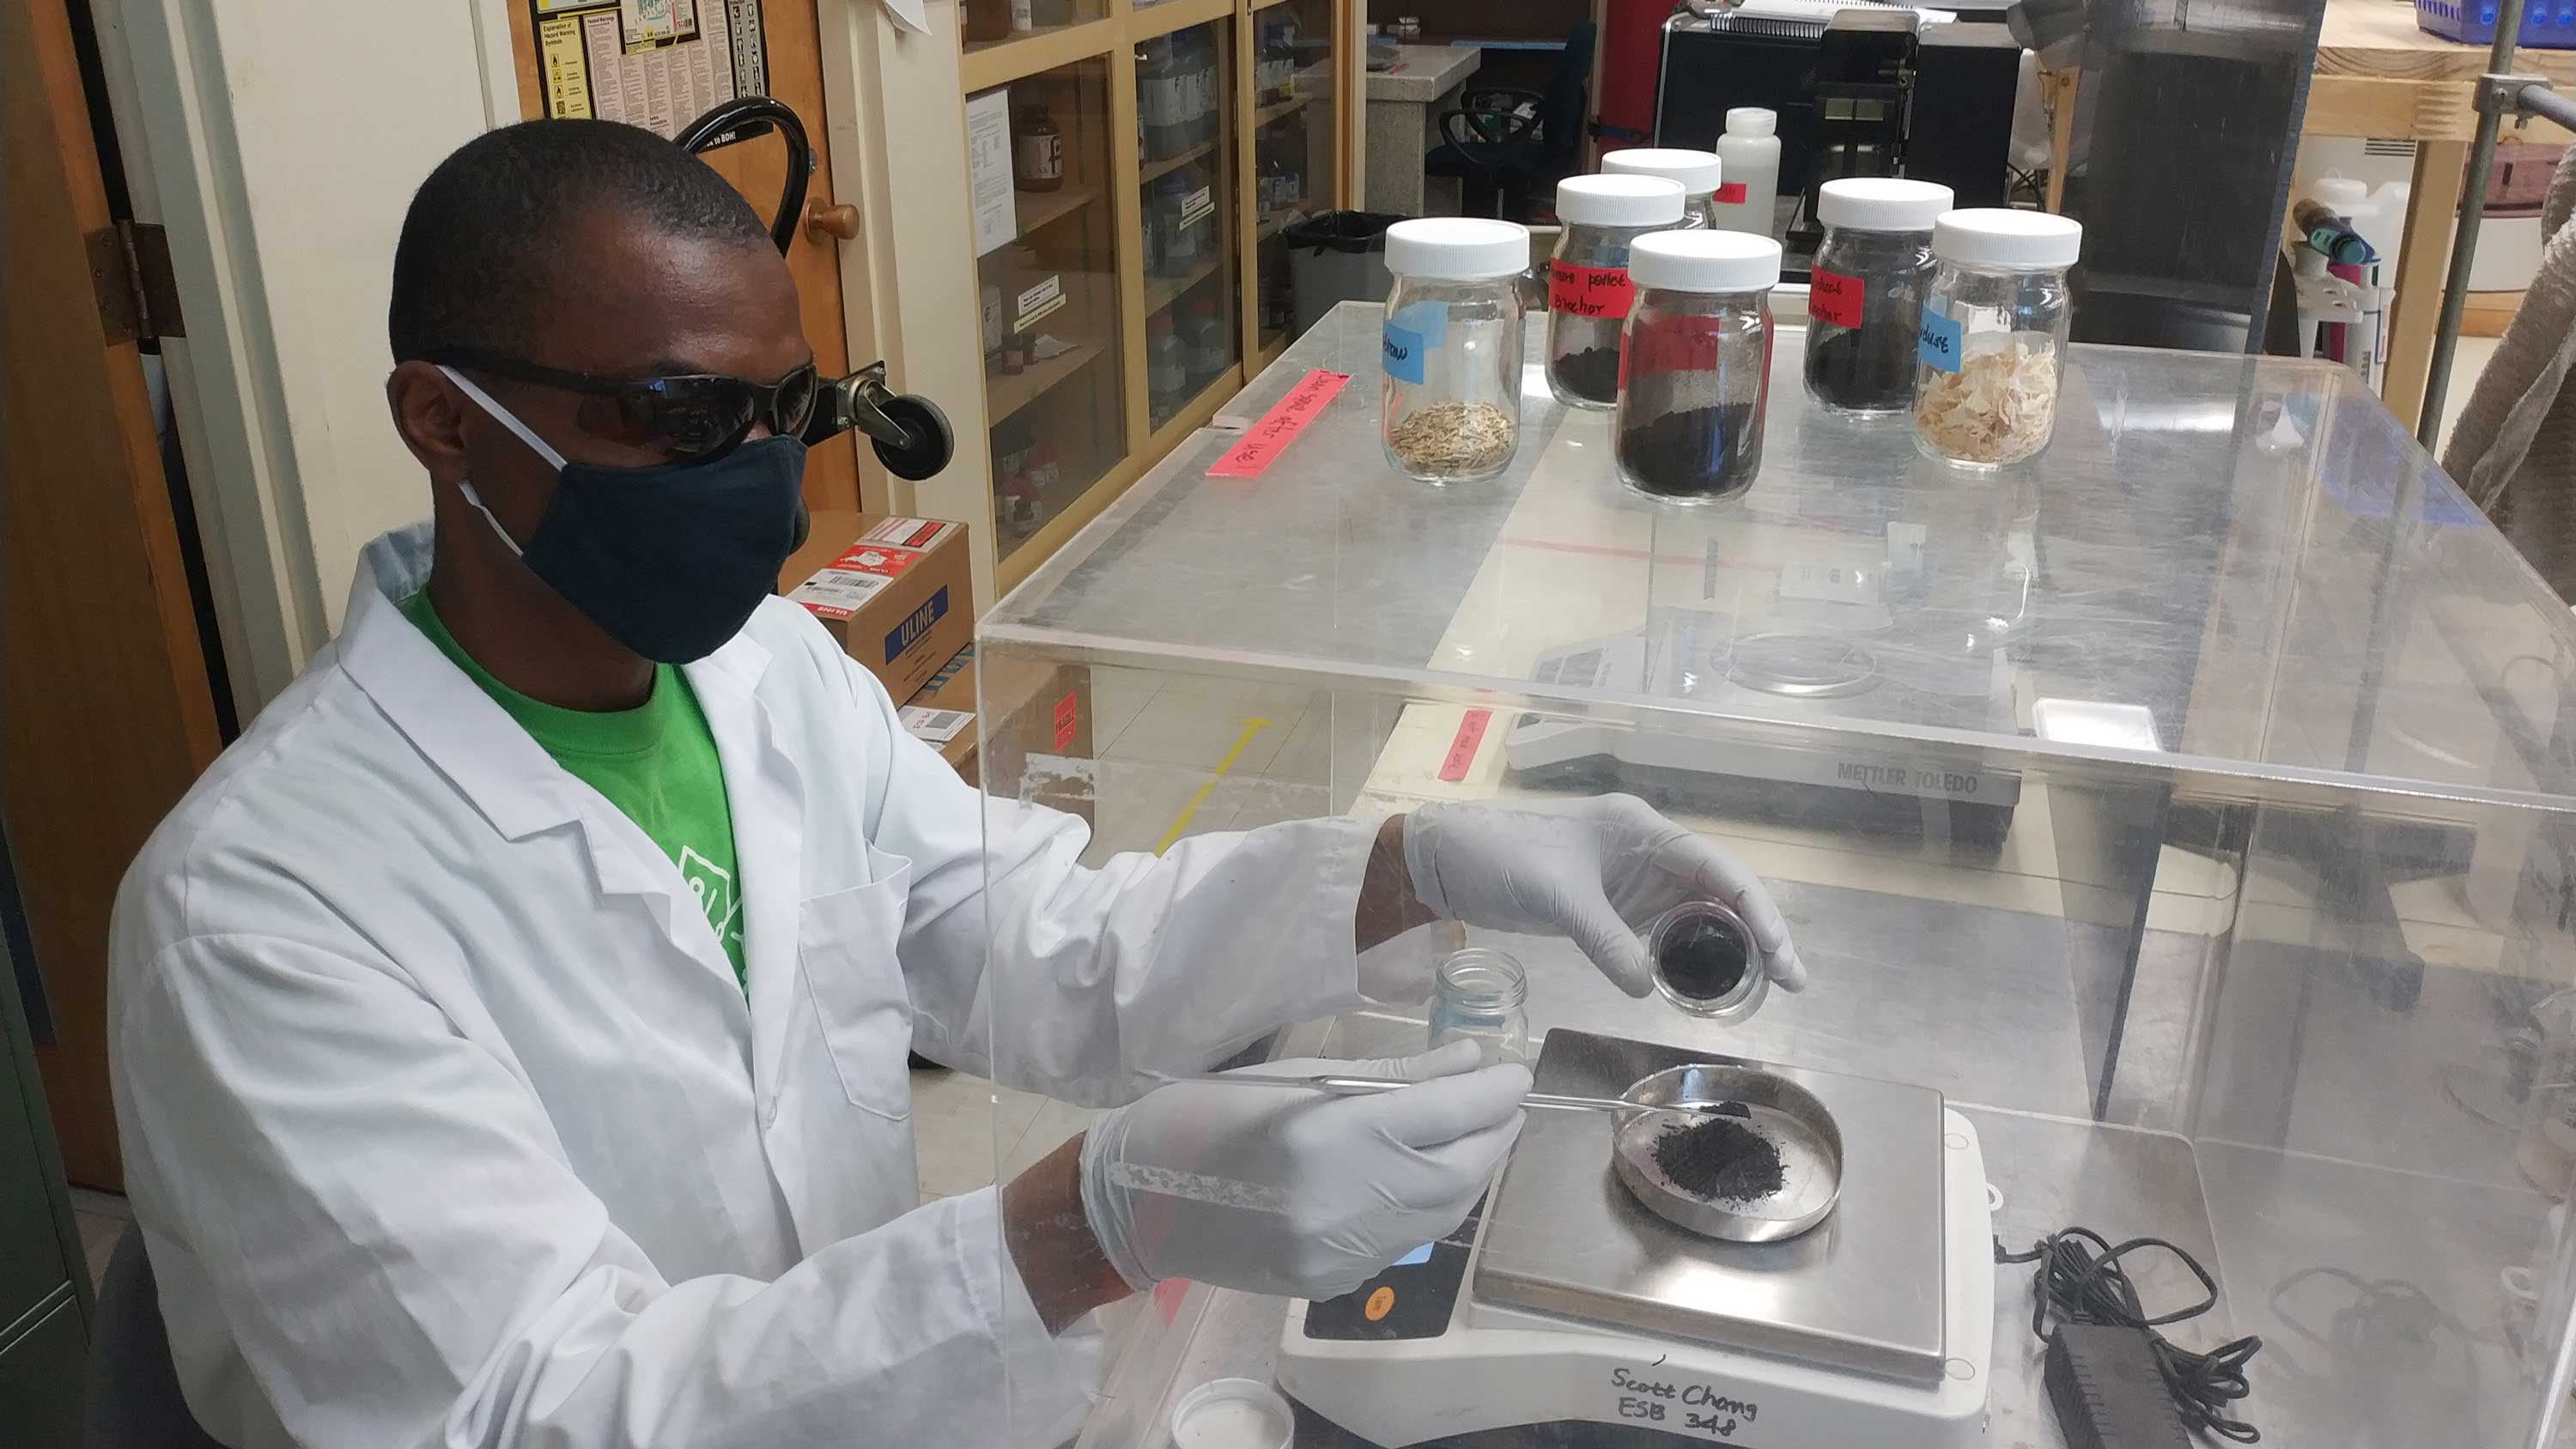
{"x": 1451, "y": 403}
{"x": 1706, "y": 961}
{"x": 1991, "y": 347}
{"x": 1482, "y": 995}
{"x": 1865, "y": 291}
{"x": 1699, "y": 172}
{"x": 1587, "y": 278}
{"x": 1698, "y": 362}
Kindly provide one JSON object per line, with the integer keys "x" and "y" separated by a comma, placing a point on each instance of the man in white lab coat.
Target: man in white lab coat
{"x": 510, "y": 1029}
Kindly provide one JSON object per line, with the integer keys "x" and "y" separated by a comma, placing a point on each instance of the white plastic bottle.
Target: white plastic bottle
{"x": 1749, "y": 157}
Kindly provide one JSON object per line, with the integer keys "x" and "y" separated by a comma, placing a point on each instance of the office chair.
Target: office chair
{"x": 1508, "y": 147}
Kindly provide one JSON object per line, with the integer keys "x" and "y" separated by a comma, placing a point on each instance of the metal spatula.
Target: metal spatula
{"x": 1356, "y": 1086}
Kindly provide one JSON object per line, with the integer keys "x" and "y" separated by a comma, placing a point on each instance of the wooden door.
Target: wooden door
{"x": 758, "y": 167}
{"x": 109, "y": 715}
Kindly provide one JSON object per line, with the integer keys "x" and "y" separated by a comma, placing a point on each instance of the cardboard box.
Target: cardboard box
{"x": 942, "y": 715}
{"x": 897, "y": 592}
{"x": 1028, "y": 709}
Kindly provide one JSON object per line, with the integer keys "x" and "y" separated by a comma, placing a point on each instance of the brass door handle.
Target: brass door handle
{"x": 825, "y": 220}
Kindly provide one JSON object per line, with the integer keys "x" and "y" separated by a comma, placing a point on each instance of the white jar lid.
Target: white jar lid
{"x": 1882, "y": 203}
{"x": 2340, "y": 191}
{"x": 1994, "y": 236}
{"x": 1233, "y": 1414}
{"x": 1751, "y": 121}
{"x": 1698, "y": 171}
{"x": 1705, "y": 261}
{"x": 1457, "y": 248}
{"x": 1618, "y": 201}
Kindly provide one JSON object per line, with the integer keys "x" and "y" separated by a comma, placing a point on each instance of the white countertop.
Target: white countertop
{"x": 1424, "y": 73}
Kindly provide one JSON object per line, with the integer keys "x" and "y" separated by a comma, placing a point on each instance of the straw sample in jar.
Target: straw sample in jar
{"x": 1991, "y": 346}
{"x": 1588, "y": 289}
{"x": 1451, "y": 402}
{"x": 1688, "y": 427}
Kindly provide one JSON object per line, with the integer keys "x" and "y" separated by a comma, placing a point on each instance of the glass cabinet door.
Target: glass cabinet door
{"x": 1186, "y": 145}
{"x": 1048, "y": 274}
{"x": 1293, "y": 147}
{"x": 982, "y": 24}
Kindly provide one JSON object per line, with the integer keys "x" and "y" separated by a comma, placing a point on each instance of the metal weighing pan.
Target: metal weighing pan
{"x": 1811, "y": 1152}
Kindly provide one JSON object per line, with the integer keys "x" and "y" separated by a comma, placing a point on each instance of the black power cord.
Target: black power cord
{"x": 2080, "y": 1279}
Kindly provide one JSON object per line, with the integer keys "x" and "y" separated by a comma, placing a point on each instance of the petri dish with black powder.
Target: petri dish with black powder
{"x": 1706, "y": 961}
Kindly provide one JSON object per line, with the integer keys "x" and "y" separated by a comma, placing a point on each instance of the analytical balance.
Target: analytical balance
{"x": 1564, "y": 1312}
{"x": 1773, "y": 667}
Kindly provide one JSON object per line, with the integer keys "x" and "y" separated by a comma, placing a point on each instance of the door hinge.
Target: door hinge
{"x": 129, "y": 268}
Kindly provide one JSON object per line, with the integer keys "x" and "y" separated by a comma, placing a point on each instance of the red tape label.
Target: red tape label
{"x": 1833, "y": 297}
{"x": 1588, "y": 291}
{"x": 1068, "y": 715}
{"x": 1676, "y": 344}
{"x": 1265, "y": 440}
{"x": 1731, "y": 193}
{"x": 1462, "y": 748}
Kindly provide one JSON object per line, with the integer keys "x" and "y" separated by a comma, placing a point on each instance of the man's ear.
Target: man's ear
{"x": 430, "y": 414}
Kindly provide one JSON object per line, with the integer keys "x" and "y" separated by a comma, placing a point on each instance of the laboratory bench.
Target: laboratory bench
{"x": 2192, "y": 809}
{"x": 1405, "y": 105}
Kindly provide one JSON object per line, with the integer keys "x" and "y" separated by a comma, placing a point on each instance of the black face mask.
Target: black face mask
{"x": 668, "y": 560}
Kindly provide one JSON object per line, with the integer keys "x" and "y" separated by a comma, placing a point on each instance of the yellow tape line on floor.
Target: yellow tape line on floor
{"x": 1181, "y": 822}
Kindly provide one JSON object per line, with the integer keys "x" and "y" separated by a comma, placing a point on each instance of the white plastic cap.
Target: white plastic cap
{"x": 1751, "y": 121}
{"x": 1618, "y": 201}
{"x": 1705, "y": 261}
{"x": 2340, "y": 193}
{"x": 1457, "y": 248}
{"x": 1993, "y": 236}
{"x": 1698, "y": 171}
{"x": 1882, "y": 203}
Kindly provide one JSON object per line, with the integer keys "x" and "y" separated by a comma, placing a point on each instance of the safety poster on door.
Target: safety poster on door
{"x": 659, "y": 64}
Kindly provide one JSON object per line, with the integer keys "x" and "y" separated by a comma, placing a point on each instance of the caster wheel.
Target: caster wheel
{"x": 929, "y": 444}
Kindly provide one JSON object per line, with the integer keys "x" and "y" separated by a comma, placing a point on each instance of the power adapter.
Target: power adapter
{"x": 2108, "y": 1391}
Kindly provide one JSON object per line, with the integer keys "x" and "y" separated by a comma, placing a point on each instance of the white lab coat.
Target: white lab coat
{"x": 447, "y": 1123}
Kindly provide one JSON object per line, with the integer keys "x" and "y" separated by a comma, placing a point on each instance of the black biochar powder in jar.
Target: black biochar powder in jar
{"x": 1868, "y": 370}
{"x": 1703, "y": 960}
{"x": 1592, "y": 373}
{"x": 1720, "y": 1159}
{"x": 1710, "y": 452}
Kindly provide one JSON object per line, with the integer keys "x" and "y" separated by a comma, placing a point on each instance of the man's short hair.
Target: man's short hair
{"x": 488, "y": 232}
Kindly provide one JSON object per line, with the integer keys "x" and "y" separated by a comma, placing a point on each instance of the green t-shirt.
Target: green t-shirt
{"x": 656, "y": 762}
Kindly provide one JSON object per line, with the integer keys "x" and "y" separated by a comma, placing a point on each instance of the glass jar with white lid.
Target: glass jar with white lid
{"x": 1451, "y": 402}
{"x": 1865, "y": 291}
{"x": 1699, "y": 173}
{"x": 1991, "y": 346}
{"x": 1587, "y": 277}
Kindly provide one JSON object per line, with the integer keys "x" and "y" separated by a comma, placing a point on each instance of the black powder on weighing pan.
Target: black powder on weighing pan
{"x": 1720, "y": 1159}
{"x": 1703, "y": 960}
{"x": 1591, "y": 373}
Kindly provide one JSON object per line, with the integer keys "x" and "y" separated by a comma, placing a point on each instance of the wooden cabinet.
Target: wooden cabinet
{"x": 1155, "y": 154}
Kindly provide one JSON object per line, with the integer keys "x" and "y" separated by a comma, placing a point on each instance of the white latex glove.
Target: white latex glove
{"x": 1286, "y": 1190}
{"x": 1598, "y": 871}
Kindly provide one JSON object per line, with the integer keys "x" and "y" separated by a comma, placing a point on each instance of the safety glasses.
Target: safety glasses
{"x": 691, "y": 417}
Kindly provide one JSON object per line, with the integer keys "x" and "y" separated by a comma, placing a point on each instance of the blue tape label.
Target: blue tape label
{"x": 1937, "y": 342}
{"x": 1411, "y": 335}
